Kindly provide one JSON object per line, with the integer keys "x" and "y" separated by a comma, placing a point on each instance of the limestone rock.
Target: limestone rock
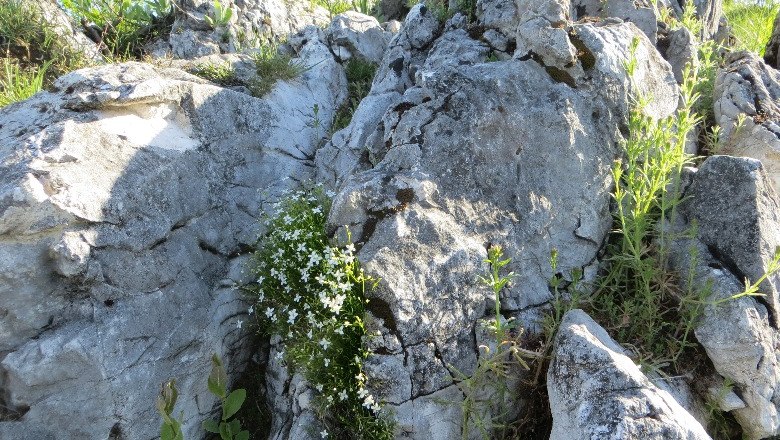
{"x": 597, "y": 392}
{"x": 126, "y": 197}
{"x": 449, "y": 153}
{"x": 358, "y": 34}
{"x": 735, "y": 211}
{"x": 747, "y": 110}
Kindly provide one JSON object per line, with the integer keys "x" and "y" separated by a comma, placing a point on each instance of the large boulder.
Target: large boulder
{"x": 597, "y": 392}
{"x": 127, "y": 196}
{"x": 747, "y": 110}
{"x": 733, "y": 210}
{"x": 450, "y": 153}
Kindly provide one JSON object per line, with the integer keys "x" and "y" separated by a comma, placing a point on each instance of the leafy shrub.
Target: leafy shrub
{"x": 312, "y": 295}
{"x": 123, "y": 26}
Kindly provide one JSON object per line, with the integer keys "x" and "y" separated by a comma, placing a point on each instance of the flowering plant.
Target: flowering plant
{"x": 312, "y": 295}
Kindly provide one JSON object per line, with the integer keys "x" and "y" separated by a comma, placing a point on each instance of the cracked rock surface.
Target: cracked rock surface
{"x": 747, "y": 110}
{"x": 450, "y": 153}
{"x": 597, "y": 392}
{"x": 735, "y": 210}
{"x": 127, "y": 195}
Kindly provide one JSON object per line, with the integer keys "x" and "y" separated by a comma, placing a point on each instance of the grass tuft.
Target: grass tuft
{"x": 751, "y": 23}
{"x": 272, "y": 66}
{"x": 360, "y": 74}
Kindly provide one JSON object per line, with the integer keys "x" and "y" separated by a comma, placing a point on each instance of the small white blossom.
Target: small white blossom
{"x": 251, "y": 310}
{"x": 239, "y": 323}
{"x": 343, "y": 395}
{"x": 319, "y": 387}
{"x": 324, "y": 434}
{"x": 292, "y": 315}
{"x": 260, "y": 280}
{"x": 269, "y": 312}
{"x": 327, "y": 362}
{"x": 324, "y": 343}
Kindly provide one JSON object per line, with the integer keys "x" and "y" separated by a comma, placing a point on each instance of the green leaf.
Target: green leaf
{"x": 233, "y": 403}
{"x": 224, "y": 431}
{"x": 217, "y": 379}
{"x": 211, "y": 426}
{"x": 235, "y": 425}
{"x": 243, "y": 435}
{"x": 166, "y": 432}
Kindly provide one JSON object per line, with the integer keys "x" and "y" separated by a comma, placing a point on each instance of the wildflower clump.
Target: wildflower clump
{"x": 312, "y": 295}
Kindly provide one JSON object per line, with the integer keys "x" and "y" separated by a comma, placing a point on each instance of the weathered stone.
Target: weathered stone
{"x": 747, "y": 111}
{"x": 597, "y": 392}
{"x": 641, "y": 13}
{"x": 680, "y": 50}
{"x": 734, "y": 210}
{"x": 360, "y": 34}
{"x": 53, "y": 15}
{"x": 126, "y": 196}
{"x": 461, "y": 158}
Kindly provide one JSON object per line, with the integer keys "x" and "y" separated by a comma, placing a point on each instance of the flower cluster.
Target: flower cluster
{"x": 311, "y": 294}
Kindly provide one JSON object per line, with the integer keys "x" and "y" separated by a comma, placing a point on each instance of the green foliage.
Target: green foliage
{"x": 637, "y": 295}
{"x": 31, "y": 52}
{"x": 220, "y": 15}
{"x": 751, "y": 23}
{"x": 122, "y": 27}
{"x": 272, "y": 66}
{"x": 231, "y": 402}
{"x": 171, "y": 427}
{"x": 486, "y": 390}
{"x": 312, "y": 295}
{"x": 17, "y": 83}
{"x": 360, "y": 74}
{"x": 222, "y": 74}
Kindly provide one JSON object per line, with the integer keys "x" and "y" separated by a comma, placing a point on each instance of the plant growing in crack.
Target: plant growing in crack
{"x": 488, "y": 389}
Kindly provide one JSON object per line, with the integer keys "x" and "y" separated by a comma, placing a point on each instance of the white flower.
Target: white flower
{"x": 319, "y": 387}
{"x": 350, "y": 248}
{"x": 287, "y": 219}
{"x": 330, "y": 194}
{"x": 368, "y": 401}
{"x": 362, "y": 392}
{"x": 339, "y": 330}
{"x": 279, "y": 355}
{"x": 297, "y": 298}
{"x": 260, "y": 280}
{"x": 269, "y": 312}
{"x": 239, "y": 323}
{"x": 292, "y": 315}
{"x": 308, "y": 334}
{"x": 261, "y": 297}
{"x": 324, "y": 434}
{"x": 327, "y": 362}
{"x": 375, "y": 408}
{"x": 324, "y": 343}
{"x": 343, "y": 395}
{"x": 251, "y": 310}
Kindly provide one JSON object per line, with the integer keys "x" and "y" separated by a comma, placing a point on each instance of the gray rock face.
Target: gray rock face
{"x": 736, "y": 213}
{"x": 126, "y": 197}
{"x": 680, "y": 50}
{"x": 360, "y": 35}
{"x": 747, "y": 111}
{"x": 596, "y": 391}
{"x": 449, "y": 153}
{"x": 253, "y": 22}
{"x": 641, "y": 13}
